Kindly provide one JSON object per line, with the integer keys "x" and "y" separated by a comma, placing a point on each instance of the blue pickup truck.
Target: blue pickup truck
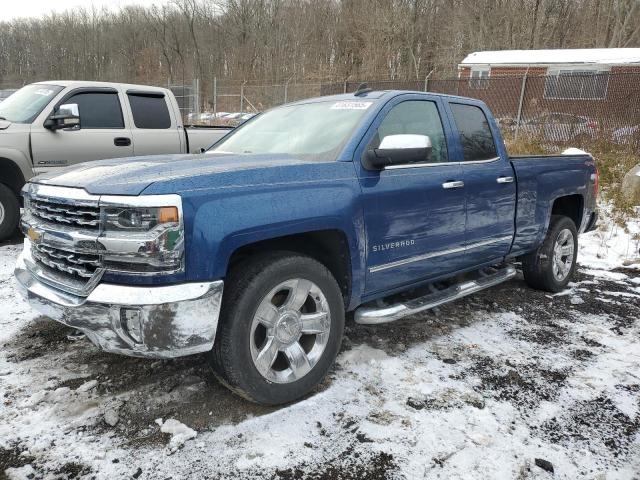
{"x": 254, "y": 250}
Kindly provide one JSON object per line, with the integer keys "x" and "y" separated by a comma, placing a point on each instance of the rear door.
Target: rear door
{"x": 489, "y": 185}
{"x": 414, "y": 223}
{"x": 155, "y": 129}
{"x": 103, "y": 133}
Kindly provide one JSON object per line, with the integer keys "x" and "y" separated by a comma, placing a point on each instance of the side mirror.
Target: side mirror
{"x": 66, "y": 117}
{"x": 398, "y": 150}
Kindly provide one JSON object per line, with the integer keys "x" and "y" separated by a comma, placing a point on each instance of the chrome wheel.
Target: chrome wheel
{"x": 290, "y": 330}
{"x": 563, "y": 255}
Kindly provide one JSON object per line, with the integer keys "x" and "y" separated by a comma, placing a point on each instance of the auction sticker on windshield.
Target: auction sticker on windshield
{"x": 351, "y": 105}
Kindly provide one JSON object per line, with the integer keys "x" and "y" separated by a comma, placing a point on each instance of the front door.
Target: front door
{"x": 414, "y": 213}
{"x": 103, "y": 133}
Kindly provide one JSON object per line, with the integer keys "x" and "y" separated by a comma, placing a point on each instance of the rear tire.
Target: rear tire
{"x": 280, "y": 327}
{"x": 9, "y": 212}
{"x": 552, "y": 265}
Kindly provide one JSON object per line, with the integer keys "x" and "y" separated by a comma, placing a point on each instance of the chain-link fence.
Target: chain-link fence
{"x": 568, "y": 108}
{"x": 573, "y": 107}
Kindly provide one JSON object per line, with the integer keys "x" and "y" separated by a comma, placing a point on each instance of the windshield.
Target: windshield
{"x": 27, "y": 103}
{"x": 311, "y": 129}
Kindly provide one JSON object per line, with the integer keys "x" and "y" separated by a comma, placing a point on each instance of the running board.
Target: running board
{"x": 389, "y": 313}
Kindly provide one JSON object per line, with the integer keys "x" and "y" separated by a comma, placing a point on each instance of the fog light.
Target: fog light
{"x": 131, "y": 321}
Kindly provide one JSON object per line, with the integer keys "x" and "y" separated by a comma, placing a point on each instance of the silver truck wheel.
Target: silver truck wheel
{"x": 280, "y": 327}
{"x": 551, "y": 266}
{"x": 290, "y": 331}
{"x": 563, "y": 255}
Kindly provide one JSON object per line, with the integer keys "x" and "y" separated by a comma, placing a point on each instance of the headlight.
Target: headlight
{"x": 143, "y": 239}
{"x": 139, "y": 219}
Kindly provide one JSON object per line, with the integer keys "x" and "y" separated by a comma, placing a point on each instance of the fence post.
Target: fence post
{"x": 286, "y": 87}
{"x": 195, "y": 96}
{"x": 521, "y": 102}
{"x": 242, "y": 98}
{"x": 215, "y": 95}
{"x": 345, "y": 87}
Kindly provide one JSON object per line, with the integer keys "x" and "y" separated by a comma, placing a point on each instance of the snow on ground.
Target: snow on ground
{"x": 477, "y": 389}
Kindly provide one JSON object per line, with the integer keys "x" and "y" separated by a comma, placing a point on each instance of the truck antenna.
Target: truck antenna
{"x": 362, "y": 89}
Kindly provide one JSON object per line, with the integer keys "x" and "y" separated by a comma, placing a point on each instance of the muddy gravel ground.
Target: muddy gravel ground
{"x": 508, "y": 383}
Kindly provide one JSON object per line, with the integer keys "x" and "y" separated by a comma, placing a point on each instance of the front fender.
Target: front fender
{"x": 19, "y": 159}
{"x": 225, "y": 220}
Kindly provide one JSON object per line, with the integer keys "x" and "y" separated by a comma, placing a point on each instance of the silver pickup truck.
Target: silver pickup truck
{"x": 54, "y": 124}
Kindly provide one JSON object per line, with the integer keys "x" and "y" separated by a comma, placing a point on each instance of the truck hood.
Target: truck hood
{"x": 131, "y": 176}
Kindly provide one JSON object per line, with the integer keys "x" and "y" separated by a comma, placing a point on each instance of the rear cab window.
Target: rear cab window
{"x": 476, "y": 137}
{"x": 149, "y": 110}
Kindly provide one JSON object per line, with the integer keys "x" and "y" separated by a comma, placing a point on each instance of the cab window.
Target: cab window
{"x": 418, "y": 117}
{"x": 149, "y": 111}
{"x": 98, "y": 109}
{"x": 475, "y": 134}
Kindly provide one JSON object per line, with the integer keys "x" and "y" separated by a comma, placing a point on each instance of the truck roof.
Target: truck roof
{"x": 88, "y": 83}
{"x": 376, "y": 95}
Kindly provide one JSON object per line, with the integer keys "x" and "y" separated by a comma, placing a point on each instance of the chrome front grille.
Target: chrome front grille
{"x": 81, "y": 266}
{"x": 51, "y": 211}
{"x": 62, "y": 226}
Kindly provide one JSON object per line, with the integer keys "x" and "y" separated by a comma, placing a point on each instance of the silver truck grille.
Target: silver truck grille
{"x": 79, "y": 266}
{"x": 85, "y": 217}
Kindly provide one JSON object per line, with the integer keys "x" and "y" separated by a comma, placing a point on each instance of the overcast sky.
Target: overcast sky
{"x": 10, "y": 9}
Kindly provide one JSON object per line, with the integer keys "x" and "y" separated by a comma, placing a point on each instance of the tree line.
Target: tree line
{"x": 272, "y": 41}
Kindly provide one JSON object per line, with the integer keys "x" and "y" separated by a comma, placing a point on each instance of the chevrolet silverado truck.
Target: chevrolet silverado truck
{"x": 49, "y": 125}
{"x": 383, "y": 204}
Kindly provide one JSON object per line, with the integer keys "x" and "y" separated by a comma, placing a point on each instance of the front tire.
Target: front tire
{"x": 280, "y": 328}
{"x": 553, "y": 264}
{"x": 9, "y": 212}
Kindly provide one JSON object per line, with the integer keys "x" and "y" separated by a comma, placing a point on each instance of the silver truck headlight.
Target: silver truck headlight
{"x": 143, "y": 239}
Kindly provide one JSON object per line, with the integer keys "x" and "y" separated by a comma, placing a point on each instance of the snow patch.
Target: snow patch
{"x": 362, "y": 355}
{"x": 179, "y": 432}
{"x": 25, "y": 472}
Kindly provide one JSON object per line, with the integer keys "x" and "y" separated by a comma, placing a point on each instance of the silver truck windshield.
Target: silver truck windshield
{"x": 310, "y": 129}
{"x": 27, "y": 103}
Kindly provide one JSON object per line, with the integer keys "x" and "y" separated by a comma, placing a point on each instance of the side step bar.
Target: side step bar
{"x": 373, "y": 316}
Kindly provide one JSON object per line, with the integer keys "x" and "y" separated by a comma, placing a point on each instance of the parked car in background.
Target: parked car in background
{"x": 560, "y": 127}
{"x": 253, "y": 251}
{"x": 220, "y": 118}
{"x": 49, "y": 125}
{"x": 629, "y": 135}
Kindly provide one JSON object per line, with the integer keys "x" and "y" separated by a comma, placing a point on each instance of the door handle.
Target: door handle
{"x": 122, "y": 141}
{"x": 456, "y": 184}
{"x": 504, "y": 179}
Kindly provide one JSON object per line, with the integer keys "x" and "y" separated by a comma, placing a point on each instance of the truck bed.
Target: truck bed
{"x": 199, "y": 137}
{"x": 541, "y": 179}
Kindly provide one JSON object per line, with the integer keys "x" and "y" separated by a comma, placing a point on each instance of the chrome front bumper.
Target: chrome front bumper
{"x": 175, "y": 320}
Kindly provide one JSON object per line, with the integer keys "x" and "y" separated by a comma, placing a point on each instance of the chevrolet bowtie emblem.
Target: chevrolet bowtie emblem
{"x": 34, "y": 235}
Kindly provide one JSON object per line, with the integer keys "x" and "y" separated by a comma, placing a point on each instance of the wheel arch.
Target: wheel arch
{"x": 329, "y": 247}
{"x": 571, "y": 206}
{"x": 12, "y": 175}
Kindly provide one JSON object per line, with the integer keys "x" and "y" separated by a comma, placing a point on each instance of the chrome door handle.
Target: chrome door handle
{"x": 456, "y": 184}
{"x": 504, "y": 179}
